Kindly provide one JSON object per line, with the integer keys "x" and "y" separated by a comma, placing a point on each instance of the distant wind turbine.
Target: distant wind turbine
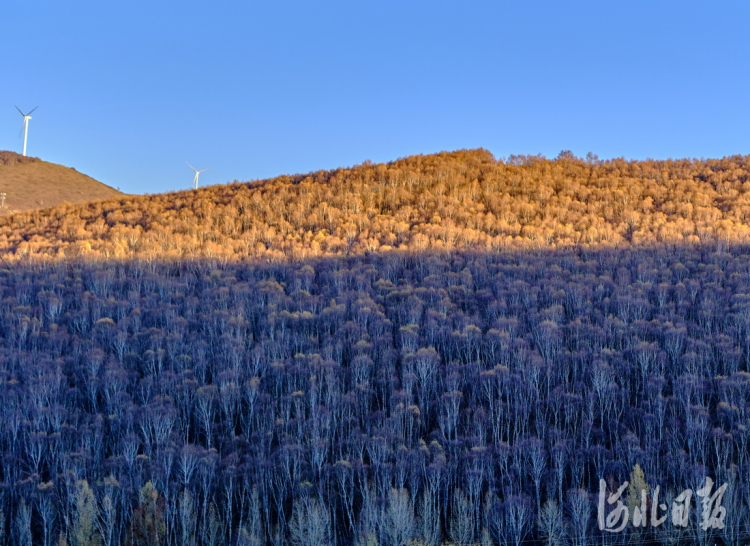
{"x": 25, "y": 126}
{"x": 197, "y": 172}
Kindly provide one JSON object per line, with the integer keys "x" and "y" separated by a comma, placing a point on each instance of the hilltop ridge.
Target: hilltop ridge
{"x": 30, "y": 183}
{"x": 451, "y": 200}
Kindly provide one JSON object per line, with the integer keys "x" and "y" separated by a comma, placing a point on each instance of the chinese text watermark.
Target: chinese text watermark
{"x": 712, "y": 512}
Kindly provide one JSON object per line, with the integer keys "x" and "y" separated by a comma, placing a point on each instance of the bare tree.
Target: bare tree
{"x": 512, "y": 522}
{"x": 428, "y": 523}
{"x": 398, "y": 525}
{"x": 106, "y": 523}
{"x": 213, "y": 528}
{"x": 22, "y": 524}
{"x": 310, "y": 524}
{"x": 188, "y": 462}
{"x": 205, "y": 409}
{"x": 461, "y": 529}
{"x": 537, "y": 463}
{"x": 579, "y": 508}
{"x": 47, "y": 512}
{"x": 551, "y": 524}
{"x": 187, "y": 518}
{"x": 733, "y": 532}
{"x": 251, "y": 533}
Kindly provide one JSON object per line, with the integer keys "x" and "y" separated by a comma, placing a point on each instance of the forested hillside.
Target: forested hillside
{"x": 374, "y": 400}
{"x": 446, "y": 349}
{"x": 462, "y": 200}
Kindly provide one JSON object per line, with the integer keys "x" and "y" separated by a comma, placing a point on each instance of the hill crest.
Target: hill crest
{"x": 30, "y": 183}
{"x": 462, "y": 200}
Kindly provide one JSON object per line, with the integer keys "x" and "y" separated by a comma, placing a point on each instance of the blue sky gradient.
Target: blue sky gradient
{"x": 128, "y": 91}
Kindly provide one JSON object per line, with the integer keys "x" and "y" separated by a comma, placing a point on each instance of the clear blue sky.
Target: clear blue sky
{"x": 128, "y": 90}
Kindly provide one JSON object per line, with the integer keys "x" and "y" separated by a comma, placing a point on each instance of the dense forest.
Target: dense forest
{"x": 495, "y": 344}
{"x": 462, "y": 200}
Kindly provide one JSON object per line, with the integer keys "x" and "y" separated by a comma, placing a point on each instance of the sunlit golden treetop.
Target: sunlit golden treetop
{"x": 452, "y": 200}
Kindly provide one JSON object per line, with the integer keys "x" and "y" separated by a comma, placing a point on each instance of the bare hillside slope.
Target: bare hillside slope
{"x": 30, "y": 183}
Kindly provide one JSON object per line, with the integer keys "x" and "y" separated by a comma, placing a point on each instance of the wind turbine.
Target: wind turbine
{"x": 25, "y": 126}
{"x": 197, "y": 172}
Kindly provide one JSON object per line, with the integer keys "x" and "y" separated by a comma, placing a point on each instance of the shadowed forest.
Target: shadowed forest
{"x": 457, "y": 371}
{"x": 434, "y": 397}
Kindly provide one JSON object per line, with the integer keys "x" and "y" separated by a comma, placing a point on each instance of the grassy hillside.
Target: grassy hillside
{"x": 459, "y": 200}
{"x": 30, "y": 183}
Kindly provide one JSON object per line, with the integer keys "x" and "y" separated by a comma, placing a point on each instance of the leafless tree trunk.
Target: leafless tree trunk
{"x": 310, "y": 524}
{"x": 398, "y": 527}
{"x": 579, "y": 508}
{"x": 428, "y": 524}
{"x": 23, "y": 524}
{"x": 551, "y": 525}
{"x": 462, "y": 521}
{"x": 47, "y": 512}
{"x": 187, "y": 518}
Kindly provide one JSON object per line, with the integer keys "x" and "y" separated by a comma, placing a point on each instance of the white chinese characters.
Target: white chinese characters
{"x": 712, "y": 512}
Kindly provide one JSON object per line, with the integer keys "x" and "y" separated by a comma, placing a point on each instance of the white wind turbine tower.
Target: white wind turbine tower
{"x": 25, "y": 126}
{"x": 197, "y": 172}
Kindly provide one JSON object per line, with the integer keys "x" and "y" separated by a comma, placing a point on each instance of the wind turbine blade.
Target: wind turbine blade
{"x": 22, "y": 127}
{"x": 35, "y": 107}
{"x": 17, "y": 108}
{"x": 189, "y": 165}
{"x": 204, "y": 170}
